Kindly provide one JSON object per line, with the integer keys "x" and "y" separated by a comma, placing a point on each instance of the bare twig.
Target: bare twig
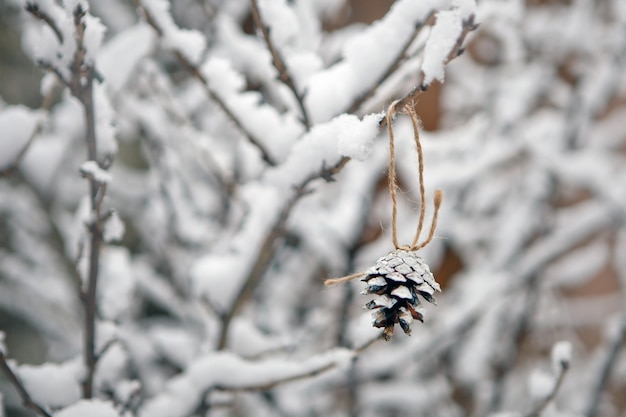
{"x": 393, "y": 66}
{"x": 536, "y": 412}
{"x": 21, "y": 390}
{"x": 33, "y": 9}
{"x": 279, "y": 62}
{"x": 194, "y": 71}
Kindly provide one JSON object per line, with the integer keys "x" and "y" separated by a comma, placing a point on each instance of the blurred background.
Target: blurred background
{"x": 527, "y": 138}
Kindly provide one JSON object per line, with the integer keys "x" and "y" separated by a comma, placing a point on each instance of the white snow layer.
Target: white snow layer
{"x": 91, "y": 408}
{"x": 114, "y": 228}
{"x": 92, "y": 169}
{"x": 17, "y": 125}
{"x": 561, "y": 355}
{"x": 190, "y": 43}
{"x": 540, "y": 384}
{"x": 366, "y": 57}
{"x": 52, "y": 384}
{"x": 119, "y": 57}
{"x": 442, "y": 39}
{"x": 228, "y": 371}
{"x": 356, "y": 137}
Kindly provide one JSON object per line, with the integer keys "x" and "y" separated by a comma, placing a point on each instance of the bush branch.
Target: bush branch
{"x": 194, "y": 71}
{"x": 268, "y": 248}
{"x": 279, "y": 63}
{"x": 469, "y": 25}
{"x": 392, "y": 68}
{"x": 33, "y": 9}
{"x": 21, "y": 390}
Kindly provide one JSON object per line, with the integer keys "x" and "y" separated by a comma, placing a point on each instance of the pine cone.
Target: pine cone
{"x": 398, "y": 278}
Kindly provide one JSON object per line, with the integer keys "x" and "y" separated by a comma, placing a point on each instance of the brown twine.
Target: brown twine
{"x": 393, "y": 189}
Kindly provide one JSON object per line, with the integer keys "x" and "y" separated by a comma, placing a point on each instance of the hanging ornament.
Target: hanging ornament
{"x": 401, "y": 278}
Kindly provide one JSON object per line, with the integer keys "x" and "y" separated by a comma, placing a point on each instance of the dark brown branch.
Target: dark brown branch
{"x": 21, "y": 390}
{"x": 393, "y": 66}
{"x": 194, "y": 71}
{"x": 469, "y": 25}
{"x": 279, "y": 63}
{"x": 33, "y": 9}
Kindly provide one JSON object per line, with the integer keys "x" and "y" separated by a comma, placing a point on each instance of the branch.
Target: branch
{"x": 268, "y": 248}
{"x": 17, "y": 383}
{"x": 279, "y": 63}
{"x": 468, "y": 26}
{"x": 393, "y": 67}
{"x": 194, "y": 71}
{"x": 33, "y": 9}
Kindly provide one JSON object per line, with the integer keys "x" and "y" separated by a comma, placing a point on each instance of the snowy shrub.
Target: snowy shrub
{"x": 197, "y": 169}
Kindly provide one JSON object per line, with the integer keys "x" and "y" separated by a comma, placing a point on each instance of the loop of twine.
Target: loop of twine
{"x": 393, "y": 183}
{"x": 408, "y": 109}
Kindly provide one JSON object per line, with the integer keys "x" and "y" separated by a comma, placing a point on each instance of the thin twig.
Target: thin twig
{"x": 391, "y": 69}
{"x": 279, "y": 63}
{"x": 33, "y": 8}
{"x": 21, "y": 390}
{"x": 264, "y": 258}
{"x": 81, "y": 87}
{"x": 194, "y": 71}
{"x": 536, "y": 412}
{"x": 606, "y": 367}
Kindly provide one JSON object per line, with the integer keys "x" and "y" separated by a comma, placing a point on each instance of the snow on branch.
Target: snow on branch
{"x": 226, "y": 371}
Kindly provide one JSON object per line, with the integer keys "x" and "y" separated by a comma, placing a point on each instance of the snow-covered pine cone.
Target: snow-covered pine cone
{"x": 398, "y": 278}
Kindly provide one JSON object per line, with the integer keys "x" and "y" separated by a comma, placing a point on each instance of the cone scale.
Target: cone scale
{"x": 399, "y": 279}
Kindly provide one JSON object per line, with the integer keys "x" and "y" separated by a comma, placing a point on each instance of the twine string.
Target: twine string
{"x": 393, "y": 190}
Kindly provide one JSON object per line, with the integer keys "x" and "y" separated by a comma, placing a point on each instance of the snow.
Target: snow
{"x": 281, "y": 21}
{"x": 540, "y": 384}
{"x": 119, "y": 57}
{"x": 92, "y": 38}
{"x": 113, "y": 228}
{"x": 443, "y": 37}
{"x": 228, "y": 371}
{"x": 365, "y": 58}
{"x": 91, "y": 408}
{"x": 190, "y": 43}
{"x": 256, "y": 117}
{"x": 320, "y": 145}
{"x": 17, "y": 125}
{"x": 52, "y": 384}
{"x": 561, "y": 355}
{"x": 93, "y": 170}
{"x": 117, "y": 285}
{"x": 106, "y": 144}
{"x": 355, "y": 141}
